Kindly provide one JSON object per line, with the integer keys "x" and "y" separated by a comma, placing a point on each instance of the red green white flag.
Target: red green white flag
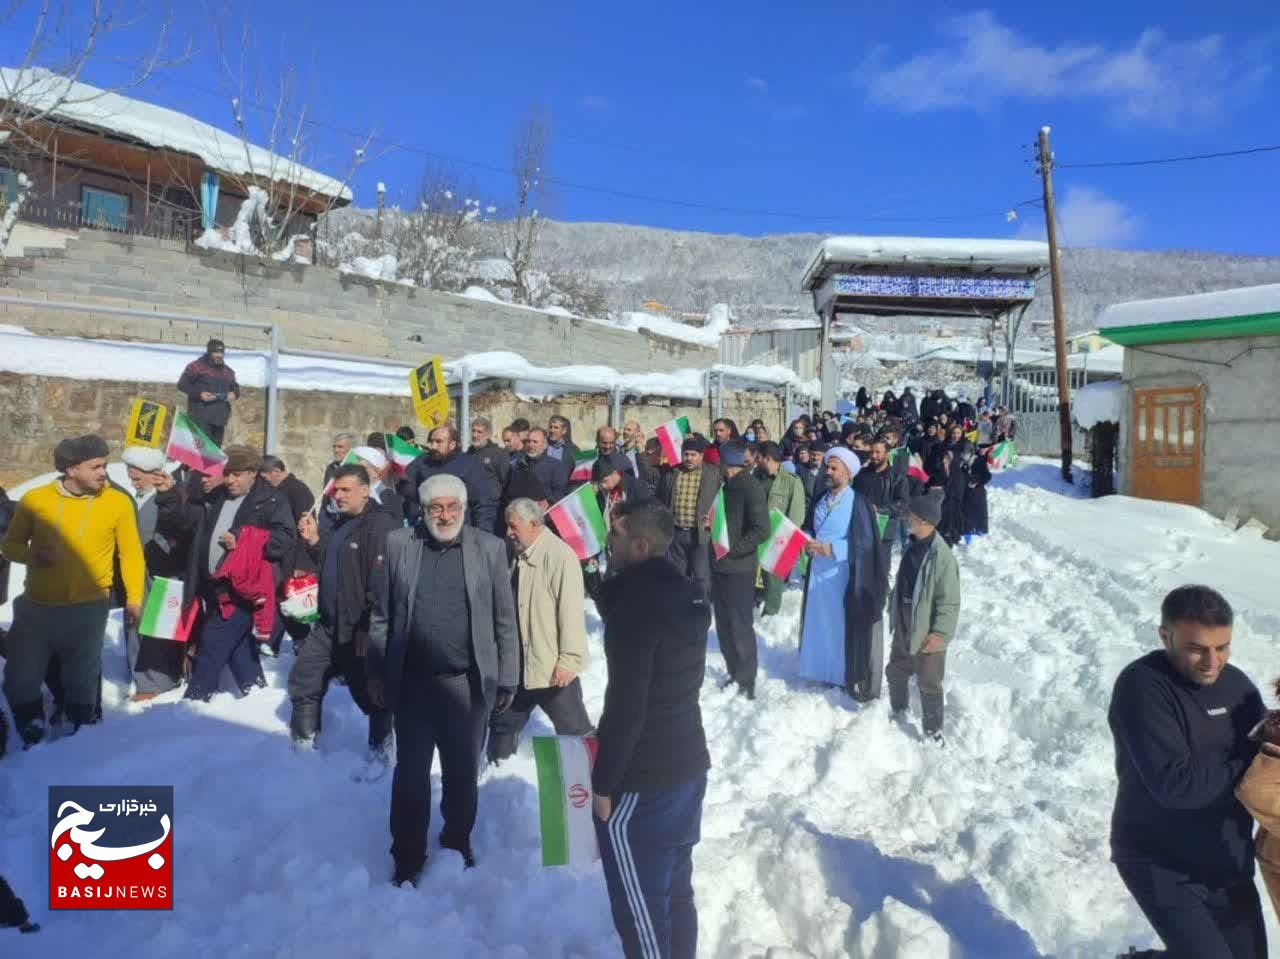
{"x": 671, "y": 435}
{"x": 915, "y": 468}
{"x": 785, "y": 545}
{"x": 1002, "y": 455}
{"x": 582, "y": 463}
{"x": 579, "y": 522}
{"x": 162, "y": 611}
{"x": 350, "y": 459}
{"x": 400, "y": 453}
{"x": 719, "y": 527}
{"x": 564, "y": 799}
{"x": 189, "y": 445}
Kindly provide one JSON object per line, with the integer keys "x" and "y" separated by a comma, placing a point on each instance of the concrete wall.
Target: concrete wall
{"x": 37, "y": 411}
{"x": 1241, "y": 413}
{"x": 315, "y": 307}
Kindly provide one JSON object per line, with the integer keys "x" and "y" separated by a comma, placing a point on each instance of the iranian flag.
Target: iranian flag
{"x": 579, "y": 521}
{"x": 400, "y": 453}
{"x": 190, "y": 447}
{"x": 162, "y": 611}
{"x": 671, "y": 436}
{"x": 582, "y": 463}
{"x": 1002, "y": 455}
{"x": 785, "y": 545}
{"x": 719, "y": 527}
{"x": 328, "y": 487}
{"x": 915, "y": 468}
{"x": 564, "y": 799}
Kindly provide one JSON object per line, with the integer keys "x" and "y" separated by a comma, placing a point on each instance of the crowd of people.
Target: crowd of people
{"x": 451, "y": 609}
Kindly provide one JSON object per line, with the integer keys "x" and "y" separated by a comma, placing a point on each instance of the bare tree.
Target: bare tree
{"x": 521, "y": 235}
{"x": 432, "y": 241}
{"x": 274, "y": 151}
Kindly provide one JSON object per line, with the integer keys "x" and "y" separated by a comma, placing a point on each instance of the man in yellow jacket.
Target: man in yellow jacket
{"x": 549, "y": 595}
{"x": 68, "y": 533}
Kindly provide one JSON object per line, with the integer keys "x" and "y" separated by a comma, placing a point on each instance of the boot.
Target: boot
{"x": 408, "y": 873}
{"x": 898, "y": 699}
{"x": 29, "y": 719}
{"x": 304, "y": 721}
{"x": 931, "y": 707}
{"x": 82, "y": 714}
{"x": 463, "y": 847}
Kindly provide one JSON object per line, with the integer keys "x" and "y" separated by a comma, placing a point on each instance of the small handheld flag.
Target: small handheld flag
{"x": 582, "y": 463}
{"x": 146, "y": 424}
{"x": 400, "y": 453}
{"x": 564, "y": 799}
{"x": 162, "y": 611}
{"x": 671, "y": 437}
{"x": 719, "y": 527}
{"x": 579, "y": 522}
{"x": 1003, "y": 455}
{"x": 429, "y": 394}
{"x": 785, "y": 545}
{"x": 190, "y": 446}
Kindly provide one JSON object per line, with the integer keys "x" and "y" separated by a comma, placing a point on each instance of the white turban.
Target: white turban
{"x": 847, "y": 457}
{"x": 143, "y": 458}
{"x": 371, "y": 455}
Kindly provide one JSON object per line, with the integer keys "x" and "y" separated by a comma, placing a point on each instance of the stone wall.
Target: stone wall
{"x": 316, "y": 308}
{"x": 37, "y": 411}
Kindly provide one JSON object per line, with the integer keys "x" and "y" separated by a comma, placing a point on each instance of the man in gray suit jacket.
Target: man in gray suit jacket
{"x": 443, "y": 653}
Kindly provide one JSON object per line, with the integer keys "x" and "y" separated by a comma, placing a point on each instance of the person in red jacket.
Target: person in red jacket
{"x": 210, "y": 386}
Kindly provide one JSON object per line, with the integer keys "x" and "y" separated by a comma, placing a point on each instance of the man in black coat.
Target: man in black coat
{"x": 444, "y": 455}
{"x": 351, "y": 560}
{"x": 650, "y": 773}
{"x": 216, "y": 522}
{"x": 885, "y": 486}
{"x": 560, "y": 445}
{"x": 689, "y": 491}
{"x": 1182, "y": 842}
{"x": 210, "y": 386}
{"x": 733, "y": 574}
{"x": 553, "y": 474}
{"x": 494, "y": 459}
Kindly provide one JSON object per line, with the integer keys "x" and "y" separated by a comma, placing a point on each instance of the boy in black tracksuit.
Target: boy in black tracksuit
{"x": 1180, "y": 839}
{"x": 650, "y": 772}
{"x": 351, "y": 563}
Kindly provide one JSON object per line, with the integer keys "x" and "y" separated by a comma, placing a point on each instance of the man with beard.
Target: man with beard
{"x": 689, "y": 492}
{"x": 443, "y": 653}
{"x": 68, "y": 533}
{"x": 552, "y": 474}
{"x": 444, "y": 456}
{"x": 494, "y": 459}
{"x": 351, "y": 560}
{"x": 885, "y": 486}
{"x": 210, "y": 386}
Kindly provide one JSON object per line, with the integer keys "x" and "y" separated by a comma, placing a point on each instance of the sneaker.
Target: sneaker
{"x": 142, "y": 697}
{"x": 259, "y": 683}
{"x": 376, "y": 765}
{"x": 936, "y": 737}
{"x": 725, "y": 684}
{"x": 304, "y": 744}
{"x": 464, "y": 848}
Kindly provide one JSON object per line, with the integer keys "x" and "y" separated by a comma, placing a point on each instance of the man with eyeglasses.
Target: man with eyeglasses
{"x": 443, "y": 653}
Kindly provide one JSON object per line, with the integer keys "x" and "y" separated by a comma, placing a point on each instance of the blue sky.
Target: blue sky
{"x": 758, "y": 117}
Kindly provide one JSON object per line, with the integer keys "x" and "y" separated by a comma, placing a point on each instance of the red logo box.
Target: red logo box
{"x": 110, "y": 847}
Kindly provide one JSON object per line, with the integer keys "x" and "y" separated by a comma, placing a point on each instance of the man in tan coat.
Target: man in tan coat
{"x": 547, "y": 582}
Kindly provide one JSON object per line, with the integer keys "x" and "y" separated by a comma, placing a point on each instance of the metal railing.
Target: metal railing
{"x": 163, "y": 221}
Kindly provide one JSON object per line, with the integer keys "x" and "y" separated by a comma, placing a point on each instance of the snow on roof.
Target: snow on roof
{"x": 1098, "y": 403}
{"x": 24, "y": 352}
{"x": 48, "y": 93}
{"x": 1242, "y": 301}
{"x": 1012, "y": 255}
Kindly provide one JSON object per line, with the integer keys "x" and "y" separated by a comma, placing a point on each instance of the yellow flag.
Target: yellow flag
{"x": 971, "y": 436}
{"x": 146, "y": 424}
{"x": 430, "y": 397}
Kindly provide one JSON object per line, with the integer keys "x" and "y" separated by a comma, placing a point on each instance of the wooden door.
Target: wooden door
{"x": 1168, "y": 443}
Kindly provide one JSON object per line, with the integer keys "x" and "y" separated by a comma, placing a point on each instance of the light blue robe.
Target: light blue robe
{"x": 823, "y": 628}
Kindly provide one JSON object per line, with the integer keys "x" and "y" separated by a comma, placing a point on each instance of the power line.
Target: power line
{"x": 1178, "y": 159}
{"x": 617, "y": 193}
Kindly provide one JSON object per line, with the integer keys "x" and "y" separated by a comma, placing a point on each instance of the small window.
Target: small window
{"x": 103, "y": 209}
{"x": 8, "y": 185}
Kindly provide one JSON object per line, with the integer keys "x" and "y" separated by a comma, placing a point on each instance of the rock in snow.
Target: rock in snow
{"x": 829, "y": 830}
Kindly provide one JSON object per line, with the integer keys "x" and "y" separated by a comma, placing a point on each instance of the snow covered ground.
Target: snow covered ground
{"x": 828, "y": 829}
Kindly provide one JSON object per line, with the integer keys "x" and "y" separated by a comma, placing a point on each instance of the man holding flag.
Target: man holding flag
{"x": 785, "y": 493}
{"x": 739, "y": 524}
{"x": 650, "y": 772}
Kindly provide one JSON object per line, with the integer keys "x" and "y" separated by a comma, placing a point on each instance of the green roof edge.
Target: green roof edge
{"x": 1182, "y": 331}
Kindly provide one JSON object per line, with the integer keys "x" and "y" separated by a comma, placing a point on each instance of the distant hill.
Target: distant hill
{"x": 760, "y": 276}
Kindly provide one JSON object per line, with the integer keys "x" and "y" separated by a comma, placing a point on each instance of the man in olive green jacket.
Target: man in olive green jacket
{"x": 784, "y": 492}
{"x": 553, "y": 636}
{"x": 923, "y": 612}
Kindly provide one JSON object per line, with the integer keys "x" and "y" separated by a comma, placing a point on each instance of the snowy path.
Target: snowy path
{"x": 828, "y": 830}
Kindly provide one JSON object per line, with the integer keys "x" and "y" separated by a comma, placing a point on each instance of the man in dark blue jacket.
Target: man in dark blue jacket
{"x": 444, "y": 455}
{"x": 210, "y": 387}
{"x": 1181, "y": 841}
{"x": 552, "y": 473}
{"x": 650, "y": 774}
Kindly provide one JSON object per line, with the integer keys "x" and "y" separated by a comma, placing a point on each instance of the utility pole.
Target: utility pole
{"x": 1045, "y": 163}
